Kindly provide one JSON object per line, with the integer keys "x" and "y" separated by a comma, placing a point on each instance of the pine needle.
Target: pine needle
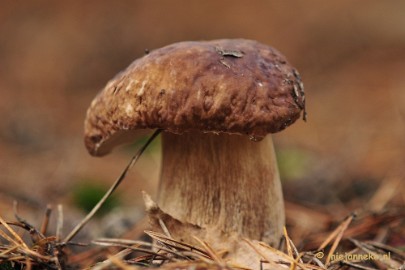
{"x": 342, "y": 229}
{"x": 117, "y": 182}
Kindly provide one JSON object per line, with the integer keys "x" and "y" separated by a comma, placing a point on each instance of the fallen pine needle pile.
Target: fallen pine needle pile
{"x": 339, "y": 249}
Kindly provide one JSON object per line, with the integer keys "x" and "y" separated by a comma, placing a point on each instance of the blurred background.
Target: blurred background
{"x": 56, "y": 55}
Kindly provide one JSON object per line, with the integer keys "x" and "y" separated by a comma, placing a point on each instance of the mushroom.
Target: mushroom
{"x": 215, "y": 102}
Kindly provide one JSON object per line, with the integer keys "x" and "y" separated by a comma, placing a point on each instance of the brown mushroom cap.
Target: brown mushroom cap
{"x": 235, "y": 86}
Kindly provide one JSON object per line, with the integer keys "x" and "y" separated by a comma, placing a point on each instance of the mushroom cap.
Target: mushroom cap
{"x": 234, "y": 86}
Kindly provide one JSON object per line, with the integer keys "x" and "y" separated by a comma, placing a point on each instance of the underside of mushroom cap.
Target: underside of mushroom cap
{"x": 233, "y": 86}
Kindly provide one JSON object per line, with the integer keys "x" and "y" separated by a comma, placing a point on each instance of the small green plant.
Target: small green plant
{"x": 87, "y": 194}
{"x": 293, "y": 163}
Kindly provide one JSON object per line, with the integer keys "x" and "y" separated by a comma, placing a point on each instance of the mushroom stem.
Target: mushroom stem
{"x": 225, "y": 182}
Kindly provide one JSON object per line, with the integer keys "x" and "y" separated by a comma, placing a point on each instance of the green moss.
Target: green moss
{"x": 293, "y": 163}
{"x": 6, "y": 266}
{"x": 88, "y": 193}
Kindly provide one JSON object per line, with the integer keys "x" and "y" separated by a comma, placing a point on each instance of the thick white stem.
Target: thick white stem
{"x": 224, "y": 182}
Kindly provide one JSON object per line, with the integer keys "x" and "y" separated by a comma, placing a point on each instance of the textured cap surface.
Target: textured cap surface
{"x": 235, "y": 86}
